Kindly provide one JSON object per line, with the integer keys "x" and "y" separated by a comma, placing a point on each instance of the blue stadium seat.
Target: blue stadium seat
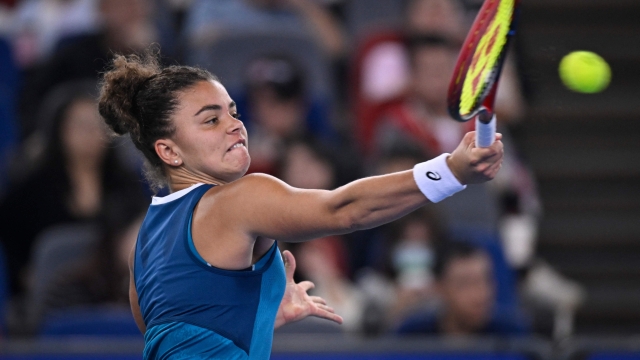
{"x": 54, "y": 251}
{"x": 103, "y": 321}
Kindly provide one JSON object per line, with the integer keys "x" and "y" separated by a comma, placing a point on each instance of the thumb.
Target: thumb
{"x": 289, "y": 265}
{"x": 468, "y": 139}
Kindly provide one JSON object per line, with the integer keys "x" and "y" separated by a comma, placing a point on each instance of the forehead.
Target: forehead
{"x": 478, "y": 263}
{"x": 205, "y": 93}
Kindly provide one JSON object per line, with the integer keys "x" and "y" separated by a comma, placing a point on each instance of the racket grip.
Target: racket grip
{"x": 485, "y": 133}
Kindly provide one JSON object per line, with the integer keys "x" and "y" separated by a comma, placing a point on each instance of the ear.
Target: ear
{"x": 168, "y": 152}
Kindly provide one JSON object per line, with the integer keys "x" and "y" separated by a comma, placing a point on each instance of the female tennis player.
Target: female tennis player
{"x": 207, "y": 279}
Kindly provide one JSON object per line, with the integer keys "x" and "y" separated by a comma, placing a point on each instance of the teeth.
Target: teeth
{"x": 236, "y": 146}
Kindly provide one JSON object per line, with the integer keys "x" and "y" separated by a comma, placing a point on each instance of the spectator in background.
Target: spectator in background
{"x": 277, "y": 110}
{"x": 446, "y": 17}
{"x": 413, "y": 81}
{"x": 73, "y": 176}
{"x": 307, "y": 165}
{"x": 39, "y": 25}
{"x": 126, "y": 26}
{"x": 417, "y": 114}
{"x": 421, "y": 118}
{"x": 411, "y": 260}
{"x": 208, "y": 20}
{"x": 102, "y": 279}
{"x": 465, "y": 286}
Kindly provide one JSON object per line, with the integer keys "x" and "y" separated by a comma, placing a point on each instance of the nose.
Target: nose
{"x": 234, "y": 125}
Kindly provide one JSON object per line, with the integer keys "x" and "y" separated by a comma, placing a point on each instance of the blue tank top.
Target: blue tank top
{"x": 192, "y": 309}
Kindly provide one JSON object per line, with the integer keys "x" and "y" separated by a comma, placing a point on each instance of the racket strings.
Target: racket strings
{"x": 488, "y": 55}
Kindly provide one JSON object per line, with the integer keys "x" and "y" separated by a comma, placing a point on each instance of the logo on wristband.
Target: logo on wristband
{"x": 433, "y": 175}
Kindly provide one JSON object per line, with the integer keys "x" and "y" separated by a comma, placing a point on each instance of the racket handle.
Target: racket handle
{"x": 485, "y": 132}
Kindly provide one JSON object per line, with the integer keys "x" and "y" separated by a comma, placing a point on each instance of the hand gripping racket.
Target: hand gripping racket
{"x": 474, "y": 82}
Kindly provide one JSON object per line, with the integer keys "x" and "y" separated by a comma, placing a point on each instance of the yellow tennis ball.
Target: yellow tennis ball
{"x": 585, "y": 72}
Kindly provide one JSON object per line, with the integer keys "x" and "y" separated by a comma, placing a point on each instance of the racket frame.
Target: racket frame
{"x": 483, "y": 107}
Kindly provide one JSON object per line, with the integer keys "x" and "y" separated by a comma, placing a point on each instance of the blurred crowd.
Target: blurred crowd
{"x": 330, "y": 91}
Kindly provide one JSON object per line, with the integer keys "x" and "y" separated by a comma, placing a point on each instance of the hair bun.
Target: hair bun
{"x": 120, "y": 86}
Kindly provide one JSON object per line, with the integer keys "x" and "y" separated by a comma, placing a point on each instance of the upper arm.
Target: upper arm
{"x": 261, "y": 205}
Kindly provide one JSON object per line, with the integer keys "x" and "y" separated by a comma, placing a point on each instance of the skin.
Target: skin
{"x": 234, "y": 223}
{"x": 84, "y": 140}
{"x": 468, "y": 291}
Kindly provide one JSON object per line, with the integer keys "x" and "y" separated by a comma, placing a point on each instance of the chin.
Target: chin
{"x": 237, "y": 172}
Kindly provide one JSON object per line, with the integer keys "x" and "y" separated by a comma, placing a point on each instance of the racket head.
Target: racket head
{"x": 474, "y": 81}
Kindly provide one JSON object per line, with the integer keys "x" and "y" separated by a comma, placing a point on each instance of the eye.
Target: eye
{"x": 236, "y": 115}
{"x": 211, "y": 121}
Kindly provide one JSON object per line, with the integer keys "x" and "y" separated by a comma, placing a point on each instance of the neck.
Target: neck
{"x": 449, "y": 324}
{"x": 181, "y": 178}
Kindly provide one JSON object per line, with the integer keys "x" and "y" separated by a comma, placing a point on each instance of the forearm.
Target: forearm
{"x": 377, "y": 200}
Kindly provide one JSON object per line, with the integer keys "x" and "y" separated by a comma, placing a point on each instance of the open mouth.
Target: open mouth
{"x": 239, "y": 143}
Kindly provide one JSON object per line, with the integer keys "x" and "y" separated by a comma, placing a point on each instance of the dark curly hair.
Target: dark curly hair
{"x": 138, "y": 97}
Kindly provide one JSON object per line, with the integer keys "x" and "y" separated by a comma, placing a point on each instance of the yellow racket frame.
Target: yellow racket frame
{"x": 486, "y": 57}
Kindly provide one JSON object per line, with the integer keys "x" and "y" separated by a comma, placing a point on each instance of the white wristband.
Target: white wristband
{"x": 435, "y": 179}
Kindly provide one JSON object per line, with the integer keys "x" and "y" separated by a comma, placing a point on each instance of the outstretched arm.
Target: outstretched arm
{"x": 296, "y": 303}
{"x": 260, "y": 205}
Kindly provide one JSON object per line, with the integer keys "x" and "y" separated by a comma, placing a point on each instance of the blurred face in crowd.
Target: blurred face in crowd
{"x": 417, "y": 230}
{"x": 305, "y": 169}
{"x": 209, "y": 139}
{"x": 83, "y": 134}
{"x": 468, "y": 291}
{"x": 440, "y": 16}
{"x": 282, "y": 117}
{"x": 128, "y": 23}
{"x": 433, "y": 66}
{"x": 122, "y": 13}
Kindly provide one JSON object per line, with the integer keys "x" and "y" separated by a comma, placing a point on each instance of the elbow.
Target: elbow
{"x": 351, "y": 221}
{"x": 347, "y": 215}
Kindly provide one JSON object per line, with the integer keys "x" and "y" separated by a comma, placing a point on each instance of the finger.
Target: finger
{"x": 306, "y": 285}
{"x": 493, "y": 170}
{"x": 289, "y": 265}
{"x": 318, "y": 300}
{"x": 469, "y": 140}
{"x": 329, "y": 315}
{"x": 481, "y": 155}
{"x": 497, "y": 148}
{"x": 325, "y": 308}
{"x": 498, "y": 136}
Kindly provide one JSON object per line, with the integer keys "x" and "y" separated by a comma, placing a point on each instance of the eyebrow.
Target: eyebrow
{"x": 214, "y": 107}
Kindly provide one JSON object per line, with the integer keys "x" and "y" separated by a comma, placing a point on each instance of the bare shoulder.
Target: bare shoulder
{"x": 247, "y": 187}
{"x": 247, "y": 192}
{"x": 259, "y": 180}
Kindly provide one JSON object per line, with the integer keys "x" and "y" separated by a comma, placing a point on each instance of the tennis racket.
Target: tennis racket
{"x": 474, "y": 82}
